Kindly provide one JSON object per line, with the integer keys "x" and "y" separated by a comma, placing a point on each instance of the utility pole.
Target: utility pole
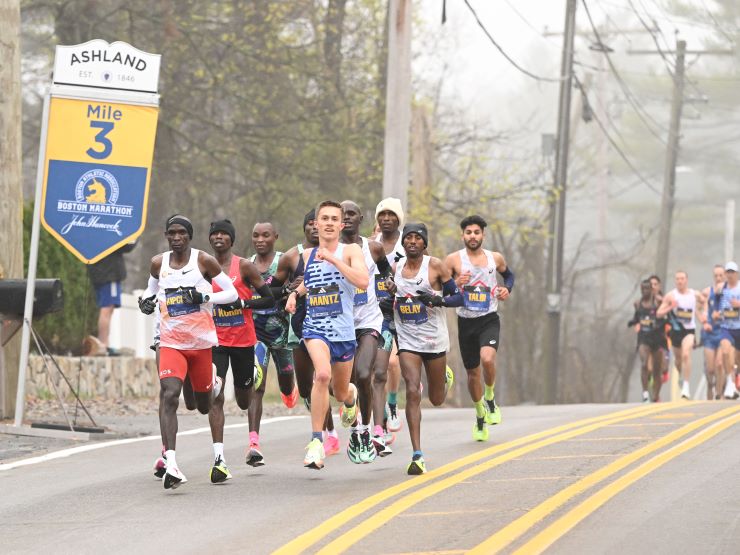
{"x": 11, "y": 189}
{"x": 398, "y": 102}
{"x": 557, "y": 207}
{"x": 729, "y": 230}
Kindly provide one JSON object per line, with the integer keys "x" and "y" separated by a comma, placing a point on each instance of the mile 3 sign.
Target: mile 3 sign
{"x": 99, "y": 128}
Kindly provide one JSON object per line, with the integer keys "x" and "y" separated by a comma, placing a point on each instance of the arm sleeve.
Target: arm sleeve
{"x": 384, "y": 267}
{"x": 266, "y": 300}
{"x": 634, "y": 320}
{"x": 152, "y": 287}
{"x": 277, "y": 289}
{"x": 228, "y": 292}
{"x": 508, "y": 276}
{"x": 451, "y": 293}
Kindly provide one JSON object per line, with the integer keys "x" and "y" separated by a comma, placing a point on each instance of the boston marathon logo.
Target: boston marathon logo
{"x": 96, "y": 195}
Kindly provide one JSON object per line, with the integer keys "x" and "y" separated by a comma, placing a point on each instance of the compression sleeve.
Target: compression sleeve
{"x": 152, "y": 287}
{"x": 228, "y": 293}
{"x": 277, "y": 288}
{"x": 266, "y": 300}
{"x": 634, "y": 320}
{"x": 451, "y": 293}
{"x": 508, "y": 276}
{"x": 384, "y": 267}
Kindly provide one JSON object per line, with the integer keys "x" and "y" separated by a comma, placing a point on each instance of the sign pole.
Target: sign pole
{"x": 20, "y": 398}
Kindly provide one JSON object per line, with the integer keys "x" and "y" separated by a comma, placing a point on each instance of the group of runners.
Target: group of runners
{"x": 338, "y": 314}
{"x": 686, "y": 318}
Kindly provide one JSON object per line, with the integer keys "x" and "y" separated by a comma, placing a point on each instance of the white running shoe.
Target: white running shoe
{"x": 173, "y": 478}
{"x": 217, "y": 385}
{"x": 730, "y": 391}
{"x": 685, "y": 392}
{"x": 394, "y": 422}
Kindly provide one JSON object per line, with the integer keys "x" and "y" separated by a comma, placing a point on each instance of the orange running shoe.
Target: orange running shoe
{"x": 290, "y": 400}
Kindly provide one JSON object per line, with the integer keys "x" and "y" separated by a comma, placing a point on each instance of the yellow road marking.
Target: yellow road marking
{"x": 372, "y": 523}
{"x": 515, "y": 529}
{"x": 566, "y": 523}
{"x": 461, "y": 512}
{"x": 641, "y": 424}
{"x": 613, "y": 438}
{"x": 675, "y": 415}
{"x": 498, "y": 480}
{"x": 450, "y": 552}
{"x": 309, "y": 538}
{"x": 556, "y": 457}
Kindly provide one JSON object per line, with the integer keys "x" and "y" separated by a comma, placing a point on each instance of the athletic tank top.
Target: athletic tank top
{"x": 234, "y": 326}
{"x": 182, "y": 325}
{"x": 713, "y": 303}
{"x": 686, "y": 307}
{"x": 391, "y": 256}
{"x": 419, "y": 327}
{"x": 267, "y": 277}
{"x": 650, "y": 324}
{"x": 479, "y": 295}
{"x": 367, "y": 311}
{"x": 330, "y": 300}
{"x": 730, "y": 314}
{"x": 271, "y": 324}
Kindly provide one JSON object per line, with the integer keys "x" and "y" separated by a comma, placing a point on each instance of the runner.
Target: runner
{"x": 271, "y": 326}
{"x": 729, "y": 313}
{"x": 294, "y": 267}
{"x": 665, "y": 361}
{"x": 333, "y": 272}
{"x": 236, "y": 336}
{"x": 650, "y": 336}
{"x": 180, "y": 283}
{"x": 422, "y": 329}
{"x": 389, "y": 217}
{"x": 368, "y": 322}
{"x": 681, "y": 306}
{"x": 712, "y": 333}
{"x": 474, "y": 269}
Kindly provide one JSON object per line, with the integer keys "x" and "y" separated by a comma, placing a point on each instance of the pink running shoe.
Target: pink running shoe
{"x": 331, "y": 445}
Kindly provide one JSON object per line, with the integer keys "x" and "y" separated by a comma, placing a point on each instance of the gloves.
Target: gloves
{"x": 429, "y": 299}
{"x": 632, "y": 322}
{"x": 147, "y": 305}
{"x": 192, "y": 296}
{"x": 398, "y": 256}
{"x": 386, "y": 307}
{"x": 236, "y": 305}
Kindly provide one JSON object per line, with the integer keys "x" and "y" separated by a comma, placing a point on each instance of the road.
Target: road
{"x": 563, "y": 479}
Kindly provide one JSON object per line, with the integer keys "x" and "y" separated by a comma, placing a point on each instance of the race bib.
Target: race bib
{"x": 684, "y": 315}
{"x": 360, "y": 297}
{"x": 477, "y": 298}
{"x": 381, "y": 291}
{"x": 227, "y": 316}
{"x": 647, "y": 323}
{"x": 176, "y": 305}
{"x": 411, "y": 310}
{"x": 324, "y": 301}
{"x": 731, "y": 313}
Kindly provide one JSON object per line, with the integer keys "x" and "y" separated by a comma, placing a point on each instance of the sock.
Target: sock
{"x": 361, "y": 428}
{"x": 332, "y": 433}
{"x": 218, "y": 451}
{"x": 392, "y": 398}
{"x": 317, "y": 435}
{"x": 254, "y": 437}
{"x": 170, "y": 456}
{"x": 488, "y": 392}
{"x": 416, "y": 455}
{"x": 480, "y": 408}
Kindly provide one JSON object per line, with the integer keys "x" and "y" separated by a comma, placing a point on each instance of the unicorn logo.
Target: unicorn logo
{"x": 97, "y": 192}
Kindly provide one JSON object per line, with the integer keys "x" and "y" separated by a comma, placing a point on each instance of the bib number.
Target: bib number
{"x": 227, "y": 316}
{"x": 477, "y": 298}
{"x": 731, "y": 313}
{"x": 684, "y": 315}
{"x": 176, "y": 305}
{"x": 324, "y": 301}
{"x": 411, "y": 311}
{"x": 381, "y": 291}
{"x": 360, "y": 297}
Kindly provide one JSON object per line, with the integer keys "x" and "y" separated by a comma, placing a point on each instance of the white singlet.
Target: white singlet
{"x": 367, "y": 311}
{"x": 686, "y": 308}
{"x": 480, "y": 292}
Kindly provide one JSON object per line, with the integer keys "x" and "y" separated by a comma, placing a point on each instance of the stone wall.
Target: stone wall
{"x": 109, "y": 377}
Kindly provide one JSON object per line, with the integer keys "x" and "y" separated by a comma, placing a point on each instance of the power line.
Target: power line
{"x": 505, "y": 55}
{"x": 714, "y": 19}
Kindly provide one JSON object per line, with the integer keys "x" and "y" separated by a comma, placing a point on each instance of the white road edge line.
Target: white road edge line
{"x": 113, "y": 443}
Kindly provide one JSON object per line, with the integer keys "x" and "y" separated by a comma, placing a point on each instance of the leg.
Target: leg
{"x": 283, "y": 359}
{"x": 411, "y": 371}
{"x": 216, "y": 417}
{"x": 303, "y": 371}
{"x": 169, "y": 399}
{"x": 710, "y": 371}
{"x": 187, "y": 394}
{"x": 656, "y": 358}
{"x": 320, "y": 357}
{"x": 435, "y": 369}
{"x": 687, "y": 345}
{"x": 394, "y": 373}
{"x": 367, "y": 349}
{"x": 644, "y": 352}
{"x": 380, "y": 379}
{"x": 261, "y": 357}
{"x": 104, "y": 318}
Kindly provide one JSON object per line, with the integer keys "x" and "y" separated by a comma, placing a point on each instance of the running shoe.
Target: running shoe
{"x": 219, "y": 472}
{"x": 367, "y": 449}
{"x": 394, "y": 422}
{"x": 173, "y": 478}
{"x": 314, "y": 455}
{"x": 685, "y": 392}
{"x": 388, "y": 436}
{"x": 480, "y": 430}
{"x": 290, "y": 400}
{"x": 160, "y": 467}
{"x": 449, "y": 378}
{"x": 307, "y": 403}
{"x": 217, "y": 385}
{"x": 331, "y": 445}
{"x": 645, "y": 397}
{"x": 254, "y": 455}
{"x": 381, "y": 447}
{"x": 730, "y": 390}
{"x": 416, "y": 466}
{"x": 257, "y": 376}
{"x": 354, "y": 447}
{"x": 493, "y": 412}
{"x": 664, "y": 376}
{"x": 348, "y": 415}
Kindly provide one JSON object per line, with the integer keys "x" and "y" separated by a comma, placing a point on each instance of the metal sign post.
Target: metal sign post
{"x": 95, "y": 157}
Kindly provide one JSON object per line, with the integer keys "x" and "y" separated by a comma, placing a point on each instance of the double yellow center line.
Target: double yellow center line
{"x": 511, "y": 450}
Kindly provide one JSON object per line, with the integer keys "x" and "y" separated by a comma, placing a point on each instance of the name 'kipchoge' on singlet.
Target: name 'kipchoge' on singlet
{"x": 330, "y": 300}
{"x": 479, "y": 294}
{"x": 182, "y": 325}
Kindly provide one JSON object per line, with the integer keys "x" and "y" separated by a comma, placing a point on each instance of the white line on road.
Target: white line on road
{"x": 103, "y": 444}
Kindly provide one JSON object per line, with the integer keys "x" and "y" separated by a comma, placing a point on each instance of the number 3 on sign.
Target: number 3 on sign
{"x": 101, "y": 138}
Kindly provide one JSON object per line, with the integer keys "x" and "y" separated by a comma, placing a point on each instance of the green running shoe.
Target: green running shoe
{"x": 354, "y": 447}
{"x": 493, "y": 416}
{"x": 259, "y": 375}
{"x": 314, "y": 455}
{"x": 220, "y": 472}
{"x": 449, "y": 378}
{"x": 348, "y": 415}
{"x": 480, "y": 430}
{"x": 416, "y": 466}
{"x": 367, "y": 448}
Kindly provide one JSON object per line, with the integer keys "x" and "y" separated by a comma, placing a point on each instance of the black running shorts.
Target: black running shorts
{"x": 678, "y": 335}
{"x": 474, "y": 333}
{"x": 242, "y": 364}
{"x": 424, "y": 356}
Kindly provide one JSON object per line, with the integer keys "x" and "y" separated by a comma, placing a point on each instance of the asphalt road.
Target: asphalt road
{"x": 567, "y": 479}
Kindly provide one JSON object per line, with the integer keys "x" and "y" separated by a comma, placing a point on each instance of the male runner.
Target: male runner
{"x": 474, "y": 269}
{"x": 711, "y": 335}
{"x": 650, "y": 335}
{"x": 421, "y": 326}
{"x": 683, "y": 304}
{"x": 729, "y": 312}
{"x": 389, "y": 218}
{"x": 236, "y": 335}
{"x": 657, "y": 286}
{"x": 333, "y": 272}
{"x": 368, "y": 322}
{"x": 271, "y": 326}
{"x": 180, "y": 281}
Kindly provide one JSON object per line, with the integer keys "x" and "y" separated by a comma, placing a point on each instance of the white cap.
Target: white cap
{"x": 392, "y": 205}
{"x": 731, "y": 266}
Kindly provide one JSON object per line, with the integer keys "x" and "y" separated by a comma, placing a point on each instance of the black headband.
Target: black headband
{"x": 223, "y": 225}
{"x": 183, "y": 221}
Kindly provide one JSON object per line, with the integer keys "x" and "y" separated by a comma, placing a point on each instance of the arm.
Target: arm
{"x": 506, "y": 273}
{"x": 299, "y": 291}
{"x": 147, "y": 302}
{"x": 211, "y": 269}
{"x": 252, "y": 278}
{"x": 381, "y": 260}
{"x": 665, "y": 307}
{"x": 701, "y": 308}
{"x": 451, "y": 295}
{"x": 352, "y": 264}
{"x": 635, "y": 320}
{"x": 454, "y": 265}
